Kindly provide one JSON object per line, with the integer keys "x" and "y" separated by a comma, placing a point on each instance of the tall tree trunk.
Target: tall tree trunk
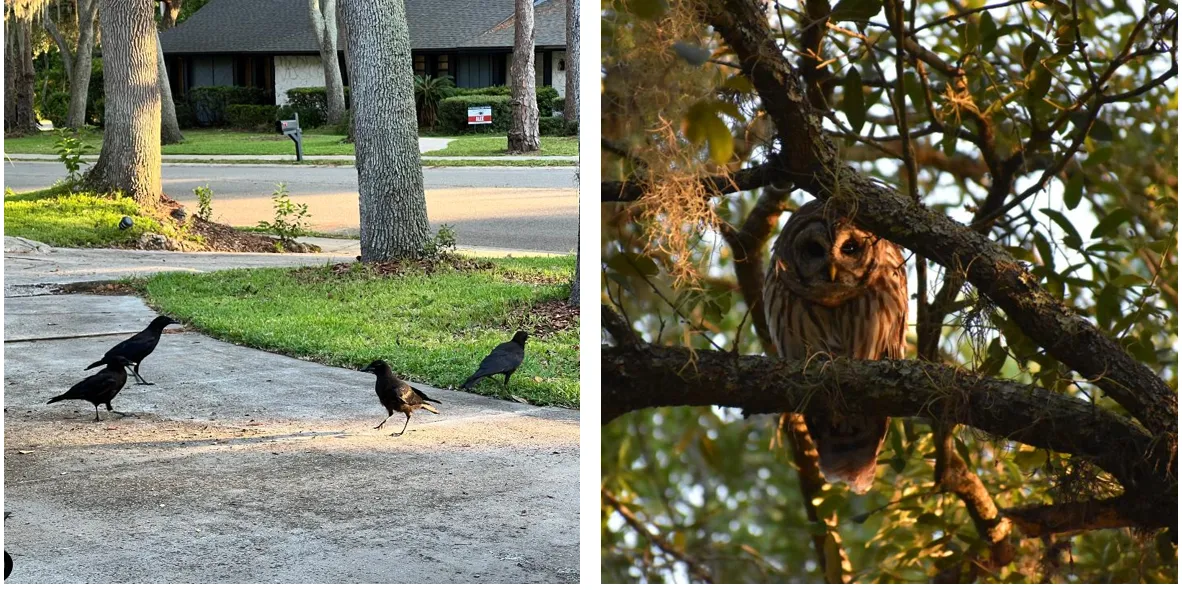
{"x": 324, "y": 22}
{"x": 574, "y": 286}
{"x": 351, "y": 137}
{"x": 78, "y": 62}
{"x": 172, "y": 8}
{"x": 130, "y": 157}
{"x": 10, "y": 73}
{"x": 170, "y": 130}
{"x": 523, "y": 129}
{"x": 570, "y": 108}
{"x": 389, "y": 170}
{"x": 26, "y": 79}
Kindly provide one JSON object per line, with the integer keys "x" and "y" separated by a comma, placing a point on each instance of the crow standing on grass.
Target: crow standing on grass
{"x": 397, "y": 395}
{"x": 101, "y": 387}
{"x": 138, "y": 347}
{"x": 503, "y": 360}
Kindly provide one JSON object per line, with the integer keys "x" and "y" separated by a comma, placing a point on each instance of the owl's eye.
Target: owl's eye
{"x": 814, "y": 250}
{"x": 850, "y": 247}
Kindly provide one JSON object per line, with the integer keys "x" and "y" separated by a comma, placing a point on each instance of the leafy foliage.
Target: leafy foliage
{"x": 1089, "y": 206}
{"x": 289, "y": 219}
{"x": 70, "y": 149}
{"x": 429, "y": 90}
{"x": 204, "y": 196}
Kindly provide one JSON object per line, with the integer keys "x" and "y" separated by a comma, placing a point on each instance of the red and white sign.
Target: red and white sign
{"x": 479, "y": 115}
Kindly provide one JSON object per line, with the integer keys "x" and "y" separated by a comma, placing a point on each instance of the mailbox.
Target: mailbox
{"x": 291, "y": 128}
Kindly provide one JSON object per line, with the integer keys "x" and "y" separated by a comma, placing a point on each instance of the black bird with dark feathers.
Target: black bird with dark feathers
{"x": 138, "y": 347}
{"x": 503, "y": 360}
{"x": 101, "y": 387}
{"x": 397, "y": 395}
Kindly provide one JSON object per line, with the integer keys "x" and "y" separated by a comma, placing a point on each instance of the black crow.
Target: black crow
{"x": 7, "y": 557}
{"x": 397, "y": 395}
{"x": 101, "y": 387}
{"x": 138, "y": 347}
{"x": 503, "y": 360}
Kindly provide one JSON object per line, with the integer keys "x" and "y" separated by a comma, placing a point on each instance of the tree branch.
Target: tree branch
{"x": 657, "y": 376}
{"x": 815, "y": 166}
{"x": 696, "y": 569}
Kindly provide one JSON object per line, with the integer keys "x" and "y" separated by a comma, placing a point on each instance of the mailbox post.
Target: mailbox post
{"x": 291, "y": 128}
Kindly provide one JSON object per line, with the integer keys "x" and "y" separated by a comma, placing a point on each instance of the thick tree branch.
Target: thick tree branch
{"x": 814, "y": 164}
{"x": 1070, "y": 518}
{"x": 655, "y": 376}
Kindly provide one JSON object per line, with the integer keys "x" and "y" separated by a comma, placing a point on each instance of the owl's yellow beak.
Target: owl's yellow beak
{"x": 832, "y": 272}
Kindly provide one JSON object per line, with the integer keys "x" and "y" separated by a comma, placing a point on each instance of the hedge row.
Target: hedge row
{"x": 208, "y": 103}
{"x": 252, "y": 117}
{"x": 453, "y": 117}
{"x": 312, "y": 104}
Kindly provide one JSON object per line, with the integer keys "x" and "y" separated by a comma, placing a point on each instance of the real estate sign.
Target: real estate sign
{"x": 479, "y": 115}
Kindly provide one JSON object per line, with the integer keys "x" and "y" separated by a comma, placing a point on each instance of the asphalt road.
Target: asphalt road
{"x": 506, "y": 207}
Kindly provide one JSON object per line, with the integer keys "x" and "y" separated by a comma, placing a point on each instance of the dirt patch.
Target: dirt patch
{"x": 200, "y": 235}
{"x": 395, "y": 268}
{"x": 100, "y": 288}
{"x": 545, "y": 318}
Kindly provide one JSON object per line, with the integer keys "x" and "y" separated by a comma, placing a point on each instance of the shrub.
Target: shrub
{"x": 56, "y": 108}
{"x": 429, "y": 91}
{"x": 551, "y": 126}
{"x": 251, "y": 116}
{"x": 185, "y": 117}
{"x": 312, "y": 104}
{"x": 69, "y": 148}
{"x": 453, "y": 114}
{"x": 289, "y": 217}
{"x": 486, "y": 91}
{"x": 572, "y": 128}
{"x": 209, "y": 102}
{"x": 204, "y": 202}
{"x": 546, "y": 96}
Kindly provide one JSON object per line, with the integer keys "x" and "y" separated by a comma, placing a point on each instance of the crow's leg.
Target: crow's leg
{"x": 379, "y": 426}
{"x": 403, "y": 425}
{"x": 140, "y": 379}
{"x": 96, "y": 414}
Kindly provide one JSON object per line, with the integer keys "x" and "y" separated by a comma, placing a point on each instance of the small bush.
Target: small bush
{"x": 56, "y": 108}
{"x": 312, "y": 104}
{"x": 204, "y": 202}
{"x": 210, "y": 102}
{"x": 572, "y": 129}
{"x": 443, "y": 245}
{"x": 251, "y": 116}
{"x": 289, "y": 217}
{"x": 486, "y": 91}
{"x": 551, "y": 126}
{"x": 546, "y": 96}
{"x": 453, "y": 114}
{"x": 429, "y": 90}
{"x": 69, "y": 148}
{"x": 185, "y": 117}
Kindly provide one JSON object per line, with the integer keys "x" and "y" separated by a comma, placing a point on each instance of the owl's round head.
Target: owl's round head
{"x": 824, "y": 258}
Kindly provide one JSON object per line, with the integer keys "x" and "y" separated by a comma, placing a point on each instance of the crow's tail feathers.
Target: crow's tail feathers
{"x": 57, "y": 399}
{"x": 424, "y": 396}
{"x": 429, "y": 407}
{"x": 477, "y": 376}
{"x": 97, "y": 363}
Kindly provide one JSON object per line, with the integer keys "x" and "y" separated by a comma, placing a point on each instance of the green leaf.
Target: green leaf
{"x": 971, "y": 36}
{"x": 853, "y": 102}
{"x": 1030, "y": 54}
{"x": 627, "y": 263}
{"x": 648, "y": 9}
{"x": 1099, "y": 156}
{"x": 994, "y": 360}
{"x": 1101, "y": 131}
{"x": 989, "y": 32}
{"x": 1108, "y": 225}
{"x": 1038, "y": 82}
{"x": 855, "y": 10}
{"x": 702, "y": 124}
{"x": 1072, "y": 239}
{"x": 1044, "y": 250}
{"x": 739, "y": 83}
{"x": 1128, "y": 280}
{"x": 914, "y": 89}
{"x": 1073, "y": 190}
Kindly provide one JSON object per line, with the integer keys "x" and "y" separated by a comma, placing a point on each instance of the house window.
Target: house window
{"x": 443, "y": 67}
{"x": 420, "y": 64}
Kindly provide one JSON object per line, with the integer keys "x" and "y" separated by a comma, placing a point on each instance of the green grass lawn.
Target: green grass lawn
{"x": 206, "y": 142}
{"x": 60, "y": 218}
{"x": 475, "y": 145}
{"x": 432, "y": 329}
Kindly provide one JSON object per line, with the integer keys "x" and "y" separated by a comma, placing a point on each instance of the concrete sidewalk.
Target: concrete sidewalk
{"x": 243, "y": 466}
{"x": 231, "y": 159}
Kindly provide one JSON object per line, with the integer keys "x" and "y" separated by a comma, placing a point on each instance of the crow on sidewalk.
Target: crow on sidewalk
{"x": 504, "y": 359}
{"x": 138, "y": 347}
{"x": 100, "y": 388}
{"x": 397, "y": 395}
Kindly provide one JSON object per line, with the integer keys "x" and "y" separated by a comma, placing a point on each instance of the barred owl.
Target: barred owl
{"x": 833, "y": 288}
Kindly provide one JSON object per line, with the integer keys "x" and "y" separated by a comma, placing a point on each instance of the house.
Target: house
{"x": 270, "y": 44}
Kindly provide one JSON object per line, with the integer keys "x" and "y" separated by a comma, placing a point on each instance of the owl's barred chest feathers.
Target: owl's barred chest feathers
{"x": 840, "y": 291}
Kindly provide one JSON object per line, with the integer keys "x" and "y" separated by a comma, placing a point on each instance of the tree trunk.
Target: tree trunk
{"x": 26, "y": 79}
{"x": 344, "y": 42}
{"x": 389, "y": 171}
{"x": 324, "y": 22}
{"x": 172, "y": 8}
{"x": 10, "y": 72}
{"x": 523, "y": 130}
{"x": 574, "y": 286}
{"x": 78, "y": 62}
{"x": 570, "y": 108}
{"x": 170, "y": 130}
{"x": 130, "y": 157}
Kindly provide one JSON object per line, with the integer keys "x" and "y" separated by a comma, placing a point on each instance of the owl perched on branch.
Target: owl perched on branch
{"x": 833, "y": 288}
